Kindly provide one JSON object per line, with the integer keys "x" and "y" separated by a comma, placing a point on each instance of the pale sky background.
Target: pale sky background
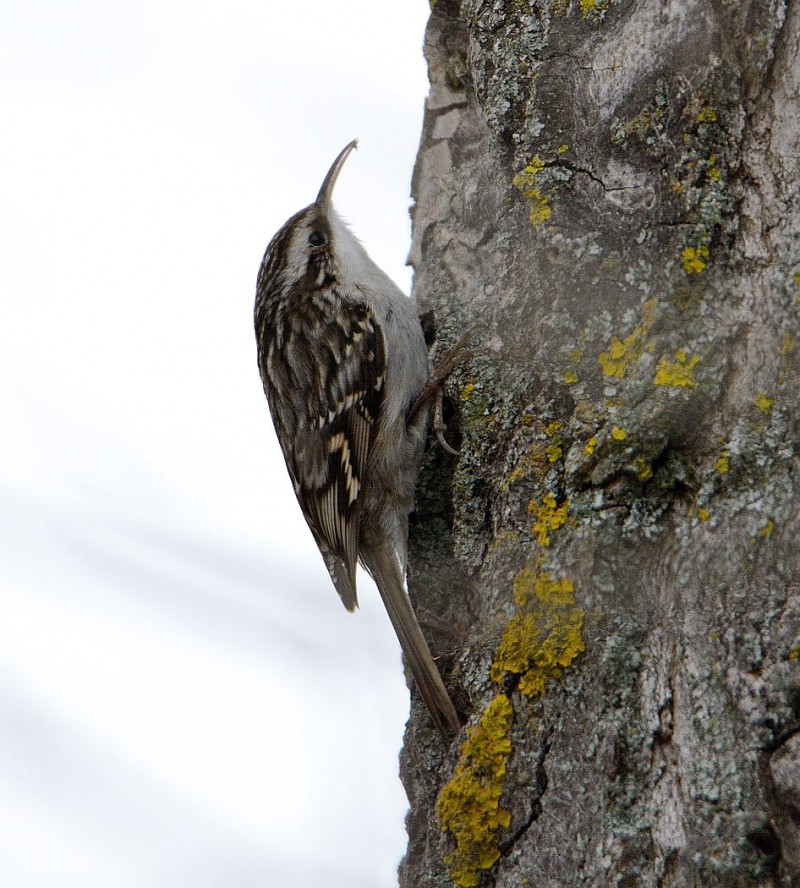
{"x": 183, "y": 699}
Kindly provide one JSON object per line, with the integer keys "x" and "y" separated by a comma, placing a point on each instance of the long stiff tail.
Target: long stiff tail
{"x": 386, "y": 572}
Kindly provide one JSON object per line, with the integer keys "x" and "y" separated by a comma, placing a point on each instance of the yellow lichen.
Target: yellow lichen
{"x": 763, "y": 403}
{"x": 678, "y": 373}
{"x": 540, "y": 207}
{"x": 517, "y": 475}
{"x": 787, "y": 345}
{"x": 545, "y": 637}
{"x": 591, "y": 8}
{"x": 468, "y": 806}
{"x": 797, "y": 284}
{"x": 531, "y": 583}
{"x": 723, "y": 465}
{"x": 706, "y": 115}
{"x": 643, "y": 468}
{"x": 562, "y": 149}
{"x": 573, "y": 359}
{"x": 553, "y": 450}
{"x": 549, "y": 517}
{"x": 618, "y": 433}
{"x": 767, "y": 529}
{"x": 525, "y": 181}
{"x": 538, "y": 457}
{"x": 703, "y": 514}
{"x": 794, "y": 653}
{"x": 590, "y": 446}
{"x": 468, "y": 389}
{"x": 615, "y": 361}
{"x": 693, "y": 259}
{"x": 622, "y": 353}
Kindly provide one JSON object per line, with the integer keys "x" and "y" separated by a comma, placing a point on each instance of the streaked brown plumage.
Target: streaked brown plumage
{"x": 342, "y": 358}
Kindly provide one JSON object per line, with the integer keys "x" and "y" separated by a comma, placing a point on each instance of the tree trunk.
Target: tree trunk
{"x": 607, "y": 196}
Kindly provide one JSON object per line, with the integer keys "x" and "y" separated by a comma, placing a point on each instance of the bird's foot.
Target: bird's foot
{"x": 433, "y": 389}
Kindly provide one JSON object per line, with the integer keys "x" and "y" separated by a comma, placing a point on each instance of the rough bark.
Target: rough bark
{"x": 607, "y": 195}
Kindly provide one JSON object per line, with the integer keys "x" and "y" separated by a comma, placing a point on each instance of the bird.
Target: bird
{"x": 343, "y": 362}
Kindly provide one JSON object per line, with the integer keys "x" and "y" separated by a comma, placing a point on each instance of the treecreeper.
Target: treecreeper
{"x": 343, "y": 361}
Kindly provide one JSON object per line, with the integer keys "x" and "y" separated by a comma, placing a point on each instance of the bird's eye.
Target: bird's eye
{"x": 316, "y": 239}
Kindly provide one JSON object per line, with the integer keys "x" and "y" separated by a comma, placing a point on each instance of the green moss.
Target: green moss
{"x": 468, "y": 806}
{"x": 690, "y": 144}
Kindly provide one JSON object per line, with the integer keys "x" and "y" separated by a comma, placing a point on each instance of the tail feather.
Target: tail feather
{"x": 385, "y": 570}
{"x": 343, "y": 579}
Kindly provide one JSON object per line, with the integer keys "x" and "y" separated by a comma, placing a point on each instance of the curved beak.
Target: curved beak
{"x": 325, "y": 196}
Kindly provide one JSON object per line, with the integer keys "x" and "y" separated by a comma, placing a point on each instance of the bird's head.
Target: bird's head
{"x": 315, "y": 244}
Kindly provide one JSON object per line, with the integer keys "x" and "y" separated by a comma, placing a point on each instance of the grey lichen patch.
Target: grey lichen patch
{"x": 784, "y": 767}
{"x": 689, "y": 134}
{"x": 477, "y": 391}
{"x": 506, "y": 55}
{"x": 749, "y": 474}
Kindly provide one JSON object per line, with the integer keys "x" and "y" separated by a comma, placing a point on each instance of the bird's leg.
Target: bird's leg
{"x": 433, "y": 389}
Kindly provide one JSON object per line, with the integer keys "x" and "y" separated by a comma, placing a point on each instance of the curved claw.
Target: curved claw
{"x": 433, "y": 389}
{"x": 438, "y": 424}
{"x": 443, "y": 443}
